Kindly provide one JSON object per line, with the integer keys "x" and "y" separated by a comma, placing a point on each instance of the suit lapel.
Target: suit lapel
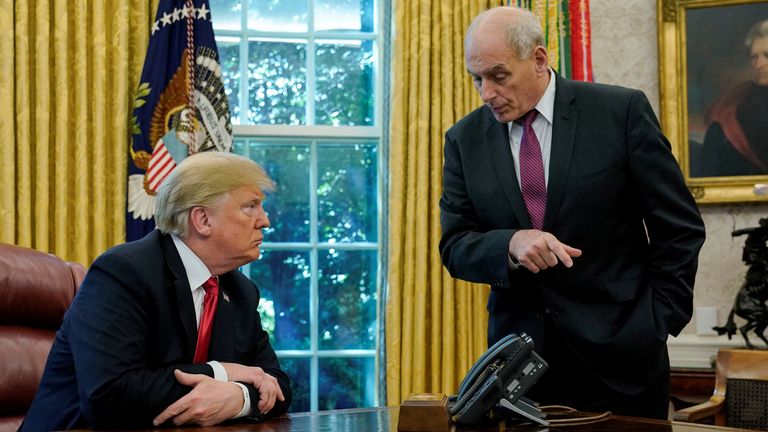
{"x": 497, "y": 135}
{"x": 183, "y": 293}
{"x": 223, "y": 336}
{"x": 563, "y": 136}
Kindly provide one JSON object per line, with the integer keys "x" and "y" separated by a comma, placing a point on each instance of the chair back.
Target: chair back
{"x": 36, "y": 289}
{"x": 742, "y": 379}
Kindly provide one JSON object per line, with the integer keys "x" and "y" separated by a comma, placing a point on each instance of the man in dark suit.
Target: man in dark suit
{"x": 148, "y": 339}
{"x": 595, "y": 256}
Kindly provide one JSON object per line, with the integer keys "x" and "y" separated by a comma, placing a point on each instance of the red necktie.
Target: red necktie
{"x": 211, "y": 287}
{"x": 532, "y": 183}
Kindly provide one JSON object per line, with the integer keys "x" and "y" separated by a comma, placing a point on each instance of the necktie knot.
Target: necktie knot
{"x": 527, "y": 119}
{"x": 211, "y": 286}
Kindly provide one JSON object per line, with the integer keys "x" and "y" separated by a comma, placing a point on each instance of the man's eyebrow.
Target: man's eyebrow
{"x": 490, "y": 71}
{"x": 256, "y": 199}
{"x": 495, "y": 69}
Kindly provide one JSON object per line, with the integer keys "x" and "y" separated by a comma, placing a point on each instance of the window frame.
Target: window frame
{"x": 245, "y": 34}
{"x": 313, "y": 134}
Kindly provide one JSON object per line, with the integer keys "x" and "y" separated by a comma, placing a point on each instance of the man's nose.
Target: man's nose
{"x": 263, "y": 221}
{"x": 487, "y": 90}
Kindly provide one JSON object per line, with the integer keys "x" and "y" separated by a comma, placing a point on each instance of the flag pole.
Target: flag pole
{"x": 191, "y": 73}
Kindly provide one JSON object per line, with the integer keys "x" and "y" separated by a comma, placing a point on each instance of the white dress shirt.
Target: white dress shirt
{"x": 197, "y": 274}
{"x": 542, "y": 127}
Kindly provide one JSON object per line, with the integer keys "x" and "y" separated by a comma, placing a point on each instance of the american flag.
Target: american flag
{"x": 180, "y": 106}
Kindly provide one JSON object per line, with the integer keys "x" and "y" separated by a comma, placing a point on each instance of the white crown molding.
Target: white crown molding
{"x": 692, "y": 351}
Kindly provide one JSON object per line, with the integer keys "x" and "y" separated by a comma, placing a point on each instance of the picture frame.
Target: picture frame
{"x": 704, "y": 70}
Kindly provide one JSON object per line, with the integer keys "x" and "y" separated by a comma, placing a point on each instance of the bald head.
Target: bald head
{"x": 521, "y": 30}
{"x": 505, "y": 56}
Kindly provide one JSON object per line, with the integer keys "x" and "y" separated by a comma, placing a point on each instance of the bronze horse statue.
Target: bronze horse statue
{"x": 751, "y": 299}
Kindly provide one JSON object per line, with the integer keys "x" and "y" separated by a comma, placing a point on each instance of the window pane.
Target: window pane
{"x": 346, "y": 383}
{"x": 347, "y": 299}
{"x": 229, "y": 56}
{"x": 226, "y": 14}
{"x": 277, "y": 78}
{"x": 283, "y": 279}
{"x": 344, "y": 15}
{"x": 345, "y": 87}
{"x": 238, "y": 144}
{"x": 347, "y": 192}
{"x": 297, "y": 370}
{"x": 288, "y": 206}
{"x": 277, "y": 15}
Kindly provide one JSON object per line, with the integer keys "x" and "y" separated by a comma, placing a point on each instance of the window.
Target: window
{"x": 301, "y": 77}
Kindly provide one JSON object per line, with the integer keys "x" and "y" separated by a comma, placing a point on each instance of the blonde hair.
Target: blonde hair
{"x": 203, "y": 179}
{"x": 522, "y": 32}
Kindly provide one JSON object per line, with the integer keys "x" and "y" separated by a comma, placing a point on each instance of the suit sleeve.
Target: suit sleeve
{"x": 107, "y": 329}
{"x": 673, "y": 223}
{"x": 468, "y": 250}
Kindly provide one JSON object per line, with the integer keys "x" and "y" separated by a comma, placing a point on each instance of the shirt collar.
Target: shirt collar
{"x": 196, "y": 270}
{"x": 546, "y": 105}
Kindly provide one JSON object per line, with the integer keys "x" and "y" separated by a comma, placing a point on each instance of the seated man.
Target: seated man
{"x": 165, "y": 329}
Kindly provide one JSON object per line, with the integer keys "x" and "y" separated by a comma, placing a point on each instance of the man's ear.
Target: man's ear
{"x": 540, "y": 58}
{"x": 200, "y": 221}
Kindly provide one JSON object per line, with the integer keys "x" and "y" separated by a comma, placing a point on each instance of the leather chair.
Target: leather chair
{"x": 35, "y": 290}
{"x": 740, "y": 398}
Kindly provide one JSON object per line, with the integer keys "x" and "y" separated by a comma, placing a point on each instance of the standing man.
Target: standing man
{"x": 165, "y": 329}
{"x": 565, "y": 198}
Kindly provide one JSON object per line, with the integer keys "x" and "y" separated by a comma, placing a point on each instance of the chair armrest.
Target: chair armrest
{"x": 700, "y": 411}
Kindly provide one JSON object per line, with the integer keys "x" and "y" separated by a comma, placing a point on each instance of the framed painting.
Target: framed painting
{"x": 713, "y": 76}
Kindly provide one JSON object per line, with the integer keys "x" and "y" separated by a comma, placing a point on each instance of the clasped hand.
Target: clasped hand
{"x": 266, "y": 384}
{"x": 539, "y": 250}
{"x": 210, "y": 402}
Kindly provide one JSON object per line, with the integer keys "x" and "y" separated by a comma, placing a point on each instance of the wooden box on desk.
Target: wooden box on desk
{"x": 424, "y": 412}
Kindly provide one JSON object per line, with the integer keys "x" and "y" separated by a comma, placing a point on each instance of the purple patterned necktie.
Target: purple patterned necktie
{"x": 532, "y": 171}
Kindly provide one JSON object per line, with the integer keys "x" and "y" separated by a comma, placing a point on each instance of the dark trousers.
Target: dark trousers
{"x": 568, "y": 382}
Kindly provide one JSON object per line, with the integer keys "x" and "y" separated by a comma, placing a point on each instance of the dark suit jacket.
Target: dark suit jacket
{"x": 611, "y": 177}
{"x": 131, "y": 324}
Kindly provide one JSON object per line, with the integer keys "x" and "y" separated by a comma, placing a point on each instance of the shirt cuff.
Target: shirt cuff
{"x": 512, "y": 263}
{"x": 246, "y": 411}
{"x": 219, "y": 373}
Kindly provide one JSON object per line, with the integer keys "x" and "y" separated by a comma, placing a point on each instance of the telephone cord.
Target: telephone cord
{"x": 477, "y": 384}
{"x": 574, "y": 420}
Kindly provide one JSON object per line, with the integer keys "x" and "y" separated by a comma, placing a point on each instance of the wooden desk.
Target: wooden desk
{"x": 385, "y": 420}
{"x": 691, "y": 386}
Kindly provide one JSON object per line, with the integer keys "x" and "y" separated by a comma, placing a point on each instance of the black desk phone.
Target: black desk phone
{"x": 498, "y": 380}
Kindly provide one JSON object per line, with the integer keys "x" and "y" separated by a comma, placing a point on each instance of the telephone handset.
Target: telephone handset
{"x": 499, "y": 379}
